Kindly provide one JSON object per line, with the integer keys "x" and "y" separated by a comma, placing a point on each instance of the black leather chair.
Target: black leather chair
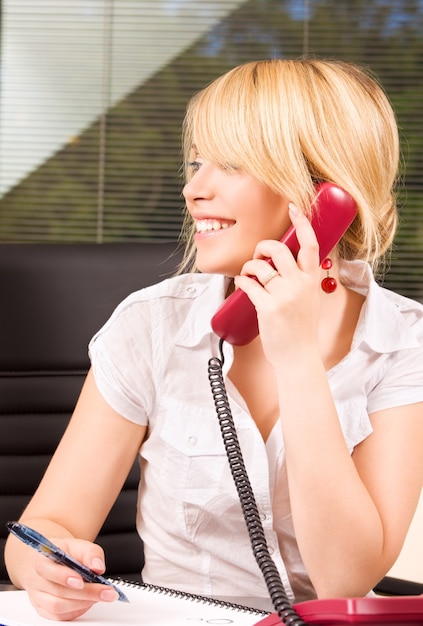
{"x": 54, "y": 298}
{"x": 390, "y": 586}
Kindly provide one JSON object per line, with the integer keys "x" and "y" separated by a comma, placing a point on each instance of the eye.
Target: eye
{"x": 194, "y": 166}
{"x": 231, "y": 168}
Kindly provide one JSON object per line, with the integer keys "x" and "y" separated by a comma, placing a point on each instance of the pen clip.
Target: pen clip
{"x": 34, "y": 539}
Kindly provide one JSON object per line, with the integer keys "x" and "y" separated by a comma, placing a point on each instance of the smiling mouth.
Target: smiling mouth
{"x": 209, "y": 225}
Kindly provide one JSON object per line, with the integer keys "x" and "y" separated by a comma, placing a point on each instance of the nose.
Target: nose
{"x": 200, "y": 186}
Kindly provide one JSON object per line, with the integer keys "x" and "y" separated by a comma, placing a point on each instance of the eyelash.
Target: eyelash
{"x": 195, "y": 165}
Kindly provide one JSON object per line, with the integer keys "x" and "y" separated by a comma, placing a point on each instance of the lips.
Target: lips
{"x": 212, "y": 224}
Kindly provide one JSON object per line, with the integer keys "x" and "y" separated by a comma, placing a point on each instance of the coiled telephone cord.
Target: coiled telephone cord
{"x": 259, "y": 546}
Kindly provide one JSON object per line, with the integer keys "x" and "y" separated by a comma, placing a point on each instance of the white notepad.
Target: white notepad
{"x": 148, "y": 606}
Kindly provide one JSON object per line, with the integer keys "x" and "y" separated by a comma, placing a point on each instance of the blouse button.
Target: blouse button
{"x": 192, "y": 441}
{"x": 191, "y": 289}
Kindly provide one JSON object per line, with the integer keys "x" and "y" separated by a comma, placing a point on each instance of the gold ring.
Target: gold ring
{"x": 269, "y": 277}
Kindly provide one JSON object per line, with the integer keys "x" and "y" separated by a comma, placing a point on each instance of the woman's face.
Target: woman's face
{"x": 232, "y": 212}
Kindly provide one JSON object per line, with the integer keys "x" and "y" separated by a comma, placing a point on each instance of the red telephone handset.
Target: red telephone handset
{"x": 333, "y": 212}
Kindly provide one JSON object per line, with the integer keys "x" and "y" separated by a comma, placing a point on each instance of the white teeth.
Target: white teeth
{"x": 210, "y": 224}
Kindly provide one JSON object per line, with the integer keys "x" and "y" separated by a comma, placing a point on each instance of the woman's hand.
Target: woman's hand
{"x": 288, "y": 304}
{"x": 67, "y": 505}
{"x": 59, "y": 593}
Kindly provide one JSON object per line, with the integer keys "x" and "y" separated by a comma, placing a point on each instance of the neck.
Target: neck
{"x": 339, "y": 315}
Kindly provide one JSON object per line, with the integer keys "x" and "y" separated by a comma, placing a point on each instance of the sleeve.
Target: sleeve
{"x": 121, "y": 359}
{"x": 402, "y": 381}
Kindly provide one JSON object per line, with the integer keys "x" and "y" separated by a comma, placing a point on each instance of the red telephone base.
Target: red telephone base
{"x": 385, "y": 611}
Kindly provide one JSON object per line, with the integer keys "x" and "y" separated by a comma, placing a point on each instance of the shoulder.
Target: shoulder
{"x": 389, "y": 321}
{"x": 389, "y": 341}
{"x": 182, "y": 286}
{"x": 178, "y": 289}
{"x": 409, "y": 309}
{"x": 400, "y": 317}
{"x": 167, "y": 304}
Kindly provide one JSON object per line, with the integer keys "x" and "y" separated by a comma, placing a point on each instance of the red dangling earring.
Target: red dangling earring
{"x": 329, "y": 283}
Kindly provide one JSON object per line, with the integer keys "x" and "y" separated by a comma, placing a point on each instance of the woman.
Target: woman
{"x": 327, "y": 400}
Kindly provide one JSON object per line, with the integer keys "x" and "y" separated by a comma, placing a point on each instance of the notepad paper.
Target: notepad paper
{"x": 146, "y": 607}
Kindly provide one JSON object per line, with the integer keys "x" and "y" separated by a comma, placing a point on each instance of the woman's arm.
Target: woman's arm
{"x": 78, "y": 490}
{"x": 350, "y": 514}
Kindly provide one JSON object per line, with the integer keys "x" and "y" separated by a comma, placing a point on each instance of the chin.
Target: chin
{"x": 213, "y": 268}
{"x": 208, "y": 269}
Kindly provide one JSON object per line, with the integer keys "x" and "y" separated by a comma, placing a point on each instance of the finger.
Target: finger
{"x": 61, "y": 581}
{"x": 53, "y": 607}
{"x": 260, "y": 269}
{"x": 270, "y": 249}
{"x": 251, "y": 287}
{"x": 308, "y": 256}
{"x": 95, "y": 592}
{"x": 271, "y": 275}
{"x": 65, "y": 577}
{"x": 89, "y": 554}
{"x": 258, "y": 293}
{"x": 54, "y": 601}
{"x": 270, "y": 255}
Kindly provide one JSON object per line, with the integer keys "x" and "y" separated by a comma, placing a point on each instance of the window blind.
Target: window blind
{"x": 93, "y": 94}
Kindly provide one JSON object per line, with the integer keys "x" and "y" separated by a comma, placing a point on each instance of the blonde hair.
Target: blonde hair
{"x": 290, "y": 123}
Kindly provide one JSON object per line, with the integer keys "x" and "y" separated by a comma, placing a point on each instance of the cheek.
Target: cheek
{"x": 268, "y": 223}
{"x": 264, "y": 214}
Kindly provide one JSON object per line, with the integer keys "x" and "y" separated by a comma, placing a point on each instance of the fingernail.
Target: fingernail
{"x": 293, "y": 209}
{"x": 109, "y": 595}
{"x": 98, "y": 564}
{"x": 75, "y": 583}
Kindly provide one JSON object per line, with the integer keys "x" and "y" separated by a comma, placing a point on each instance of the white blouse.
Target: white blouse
{"x": 150, "y": 364}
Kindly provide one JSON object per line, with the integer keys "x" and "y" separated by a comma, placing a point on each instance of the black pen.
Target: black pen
{"x": 37, "y": 541}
